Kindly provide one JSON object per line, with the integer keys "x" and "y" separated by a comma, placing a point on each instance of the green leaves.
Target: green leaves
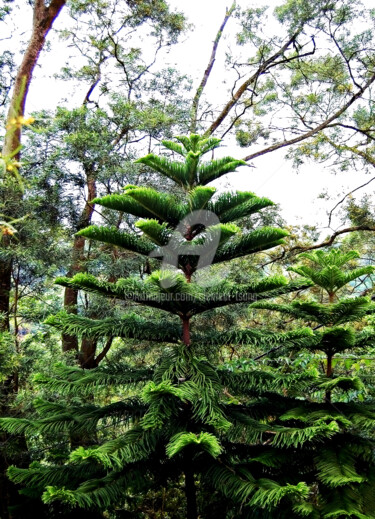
{"x": 326, "y": 270}
{"x": 255, "y": 241}
{"x": 203, "y": 441}
{"x": 346, "y": 310}
{"x": 113, "y": 236}
{"x": 337, "y": 468}
{"x": 191, "y": 173}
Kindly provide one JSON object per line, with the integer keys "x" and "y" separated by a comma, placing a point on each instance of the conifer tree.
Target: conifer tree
{"x": 181, "y": 424}
{"x": 323, "y": 435}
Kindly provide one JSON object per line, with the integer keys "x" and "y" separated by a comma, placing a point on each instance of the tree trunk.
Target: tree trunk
{"x": 5, "y": 286}
{"x": 87, "y": 353}
{"x": 191, "y": 497}
{"x": 42, "y": 22}
{"x": 70, "y": 342}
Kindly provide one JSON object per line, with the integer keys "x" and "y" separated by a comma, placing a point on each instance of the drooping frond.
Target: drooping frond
{"x": 72, "y": 380}
{"x": 171, "y": 169}
{"x": 346, "y": 310}
{"x": 122, "y": 239}
{"x": 164, "y": 207}
{"x": 209, "y": 171}
{"x": 158, "y": 233}
{"x": 333, "y": 340}
{"x": 255, "y": 241}
{"x": 56, "y": 419}
{"x": 294, "y": 339}
{"x": 130, "y": 326}
{"x": 232, "y": 206}
{"x": 100, "y": 492}
{"x": 204, "y": 441}
{"x": 240, "y": 486}
{"x": 124, "y": 204}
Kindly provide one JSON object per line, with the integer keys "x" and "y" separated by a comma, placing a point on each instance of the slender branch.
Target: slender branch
{"x": 207, "y": 72}
{"x": 318, "y": 128}
{"x": 345, "y": 197}
{"x": 347, "y": 61}
{"x": 104, "y": 351}
{"x": 327, "y": 243}
{"x": 366, "y": 133}
{"x": 240, "y": 91}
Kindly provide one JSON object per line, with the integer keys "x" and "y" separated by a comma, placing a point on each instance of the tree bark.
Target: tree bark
{"x": 5, "y": 286}
{"x": 186, "y": 330}
{"x": 42, "y": 22}
{"x": 70, "y": 342}
{"x": 191, "y": 495}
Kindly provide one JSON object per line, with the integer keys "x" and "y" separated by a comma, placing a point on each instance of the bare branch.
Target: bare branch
{"x": 345, "y": 197}
{"x": 242, "y": 89}
{"x": 366, "y": 133}
{"x": 318, "y": 128}
{"x": 207, "y": 72}
{"x": 327, "y": 243}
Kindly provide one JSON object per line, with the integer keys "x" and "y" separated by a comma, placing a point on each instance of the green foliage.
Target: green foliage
{"x": 259, "y": 439}
{"x": 208, "y": 442}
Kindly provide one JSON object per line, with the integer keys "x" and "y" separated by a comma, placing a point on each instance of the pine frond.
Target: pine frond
{"x": 199, "y": 198}
{"x": 204, "y": 441}
{"x": 158, "y": 233}
{"x": 113, "y": 236}
{"x": 124, "y": 204}
{"x": 327, "y": 271}
{"x": 197, "y": 143}
{"x": 209, "y": 171}
{"x": 255, "y": 241}
{"x": 130, "y": 326}
{"x": 295, "y": 339}
{"x": 336, "y": 468}
{"x": 164, "y": 207}
{"x": 171, "y": 169}
{"x": 333, "y": 257}
{"x": 346, "y": 310}
{"x": 101, "y": 493}
{"x": 39, "y": 476}
{"x": 75, "y": 381}
{"x": 343, "y": 383}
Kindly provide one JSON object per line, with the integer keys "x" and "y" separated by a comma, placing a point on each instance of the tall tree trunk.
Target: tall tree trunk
{"x": 70, "y": 342}
{"x": 191, "y": 495}
{"x": 42, "y": 22}
{"x": 5, "y": 286}
{"x": 43, "y": 19}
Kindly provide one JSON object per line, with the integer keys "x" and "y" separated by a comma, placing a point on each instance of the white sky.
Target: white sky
{"x": 272, "y": 176}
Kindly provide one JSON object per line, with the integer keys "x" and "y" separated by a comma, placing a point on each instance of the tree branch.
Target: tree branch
{"x": 318, "y": 128}
{"x": 206, "y": 75}
{"x": 327, "y": 243}
{"x": 104, "y": 351}
{"x": 240, "y": 91}
{"x": 345, "y": 197}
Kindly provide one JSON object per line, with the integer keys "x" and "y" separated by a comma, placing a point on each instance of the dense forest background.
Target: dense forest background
{"x": 127, "y": 389}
